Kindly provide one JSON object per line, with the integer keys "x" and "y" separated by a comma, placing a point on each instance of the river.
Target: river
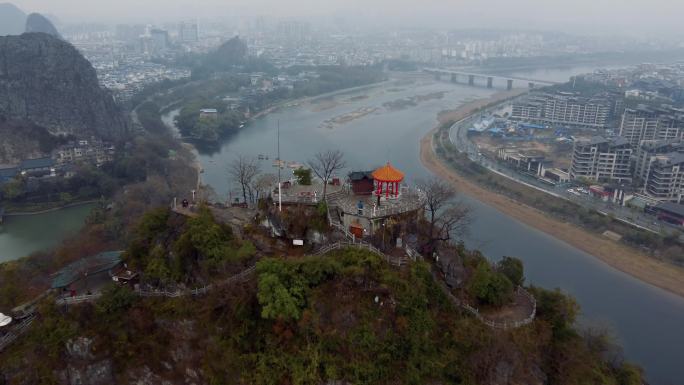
{"x": 645, "y": 320}
{"x": 23, "y": 235}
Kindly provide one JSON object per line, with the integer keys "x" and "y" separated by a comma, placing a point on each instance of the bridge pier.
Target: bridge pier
{"x": 454, "y": 78}
{"x": 438, "y": 76}
{"x": 531, "y": 85}
{"x": 471, "y": 80}
{"x": 509, "y": 85}
{"x": 490, "y": 82}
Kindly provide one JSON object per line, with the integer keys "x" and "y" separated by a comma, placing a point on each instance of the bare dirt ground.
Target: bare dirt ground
{"x": 621, "y": 257}
{"x": 560, "y": 156}
{"x": 519, "y": 309}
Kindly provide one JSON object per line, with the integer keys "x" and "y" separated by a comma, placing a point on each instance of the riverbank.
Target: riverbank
{"x": 616, "y": 255}
{"x": 49, "y": 210}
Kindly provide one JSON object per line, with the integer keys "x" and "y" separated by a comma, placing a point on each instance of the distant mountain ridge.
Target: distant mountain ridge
{"x": 36, "y": 22}
{"x": 12, "y": 20}
{"x": 46, "y": 82}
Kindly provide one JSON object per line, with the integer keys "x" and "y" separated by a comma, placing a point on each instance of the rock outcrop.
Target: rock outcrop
{"x": 46, "y": 82}
{"x": 12, "y": 20}
{"x": 36, "y": 22}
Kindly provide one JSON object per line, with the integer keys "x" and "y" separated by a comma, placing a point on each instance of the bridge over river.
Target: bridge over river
{"x": 472, "y": 78}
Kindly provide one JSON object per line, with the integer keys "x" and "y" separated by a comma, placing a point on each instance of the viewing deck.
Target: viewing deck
{"x": 408, "y": 200}
{"x": 312, "y": 194}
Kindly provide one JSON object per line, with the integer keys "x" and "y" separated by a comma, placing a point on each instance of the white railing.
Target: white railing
{"x": 413, "y": 254}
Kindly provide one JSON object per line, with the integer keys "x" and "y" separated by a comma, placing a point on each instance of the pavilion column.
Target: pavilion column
{"x": 386, "y": 190}
{"x": 396, "y": 189}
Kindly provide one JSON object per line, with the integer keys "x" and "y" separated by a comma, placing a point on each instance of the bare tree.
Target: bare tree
{"x": 245, "y": 170}
{"x": 325, "y": 164}
{"x": 448, "y": 216}
{"x": 263, "y": 184}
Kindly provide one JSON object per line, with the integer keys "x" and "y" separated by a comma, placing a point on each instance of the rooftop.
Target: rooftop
{"x": 671, "y": 207}
{"x": 359, "y": 175}
{"x": 86, "y": 266}
{"x": 594, "y": 140}
{"x": 387, "y": 173}
{"x": 673, "y": 158}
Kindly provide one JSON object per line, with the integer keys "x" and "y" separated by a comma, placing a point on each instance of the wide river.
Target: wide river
{"x": 645, "y": 320}
{"x": 23, "y": 235}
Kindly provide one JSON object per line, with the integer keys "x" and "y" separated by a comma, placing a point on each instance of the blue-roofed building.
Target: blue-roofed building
{"x": 7, "y": 173}
{"x": 531, "y": 126}
{"x": 39, "y": 166}
{"x": 87, "y": 272}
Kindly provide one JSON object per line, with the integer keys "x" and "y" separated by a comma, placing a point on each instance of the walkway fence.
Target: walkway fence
{"x": 394, "y": 261}
{"x": 15, "y": 332}
{"x": 502, "y": 325}
{"x": 243, "y": 276}
{"x": 78, "y": 299}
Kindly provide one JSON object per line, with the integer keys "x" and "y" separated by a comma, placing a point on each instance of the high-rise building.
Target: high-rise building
{"x": 572, "y": 110}
{"x": 565, "y": 109}
{"x": 129, "y": 32}
{"x": 665, "y": 181}
{"x": 645, "y": 123}
{"x": 648, "y": 151}
{"x": 188, "y": 32}
{"x": 160, "y": 39}
{"x": 531, "y": 110}
{"x": 601, "y": 159}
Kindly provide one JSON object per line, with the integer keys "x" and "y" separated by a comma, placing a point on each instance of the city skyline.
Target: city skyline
{"x": 607, "y": 17}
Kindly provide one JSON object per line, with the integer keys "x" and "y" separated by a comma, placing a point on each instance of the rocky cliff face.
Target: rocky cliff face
{"x": 39, "y": 23}
{"x": 46, "y": 82}
{"x": 12, "y": 19}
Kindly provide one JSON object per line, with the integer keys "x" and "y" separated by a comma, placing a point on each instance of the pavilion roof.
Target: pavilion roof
{"x": 387, "y": 173}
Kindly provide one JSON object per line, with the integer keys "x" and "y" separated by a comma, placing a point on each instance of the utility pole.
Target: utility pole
{"x": 280, "y": 195}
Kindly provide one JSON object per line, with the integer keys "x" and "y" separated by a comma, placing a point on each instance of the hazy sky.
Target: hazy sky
{"x": 584, "y": 16}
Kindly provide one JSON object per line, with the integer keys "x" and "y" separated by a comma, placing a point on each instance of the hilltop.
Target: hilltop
{"x": 48, "y": 84}
{"x": 12, "y": 20}
{"x": 344, "y": 317}
{"x": 39, "y": 23}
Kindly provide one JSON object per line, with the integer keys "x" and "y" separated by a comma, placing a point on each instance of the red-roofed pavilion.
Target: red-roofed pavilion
{"x": 387, "y": 179}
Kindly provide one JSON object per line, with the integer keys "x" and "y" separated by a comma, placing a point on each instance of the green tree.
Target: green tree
{"x": 206, "y": 129}
{"x": 630, "y": 374}
{"x": 204, "y": 238}
{"x": 277, "y": 300}
{"x": 489, "y": 286}
{"x": 303, "y": 176}
{"x": 13, "y": 189}
{"x": 115, "y": 299}
{"x": 556, "y": 308}
{"x": 157, "y": 268}
{"x": 513, "y": 269}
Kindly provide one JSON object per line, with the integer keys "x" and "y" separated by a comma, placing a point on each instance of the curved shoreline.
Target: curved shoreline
{"x": 29, "y": 213}
{"x": 620, "y": 257}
